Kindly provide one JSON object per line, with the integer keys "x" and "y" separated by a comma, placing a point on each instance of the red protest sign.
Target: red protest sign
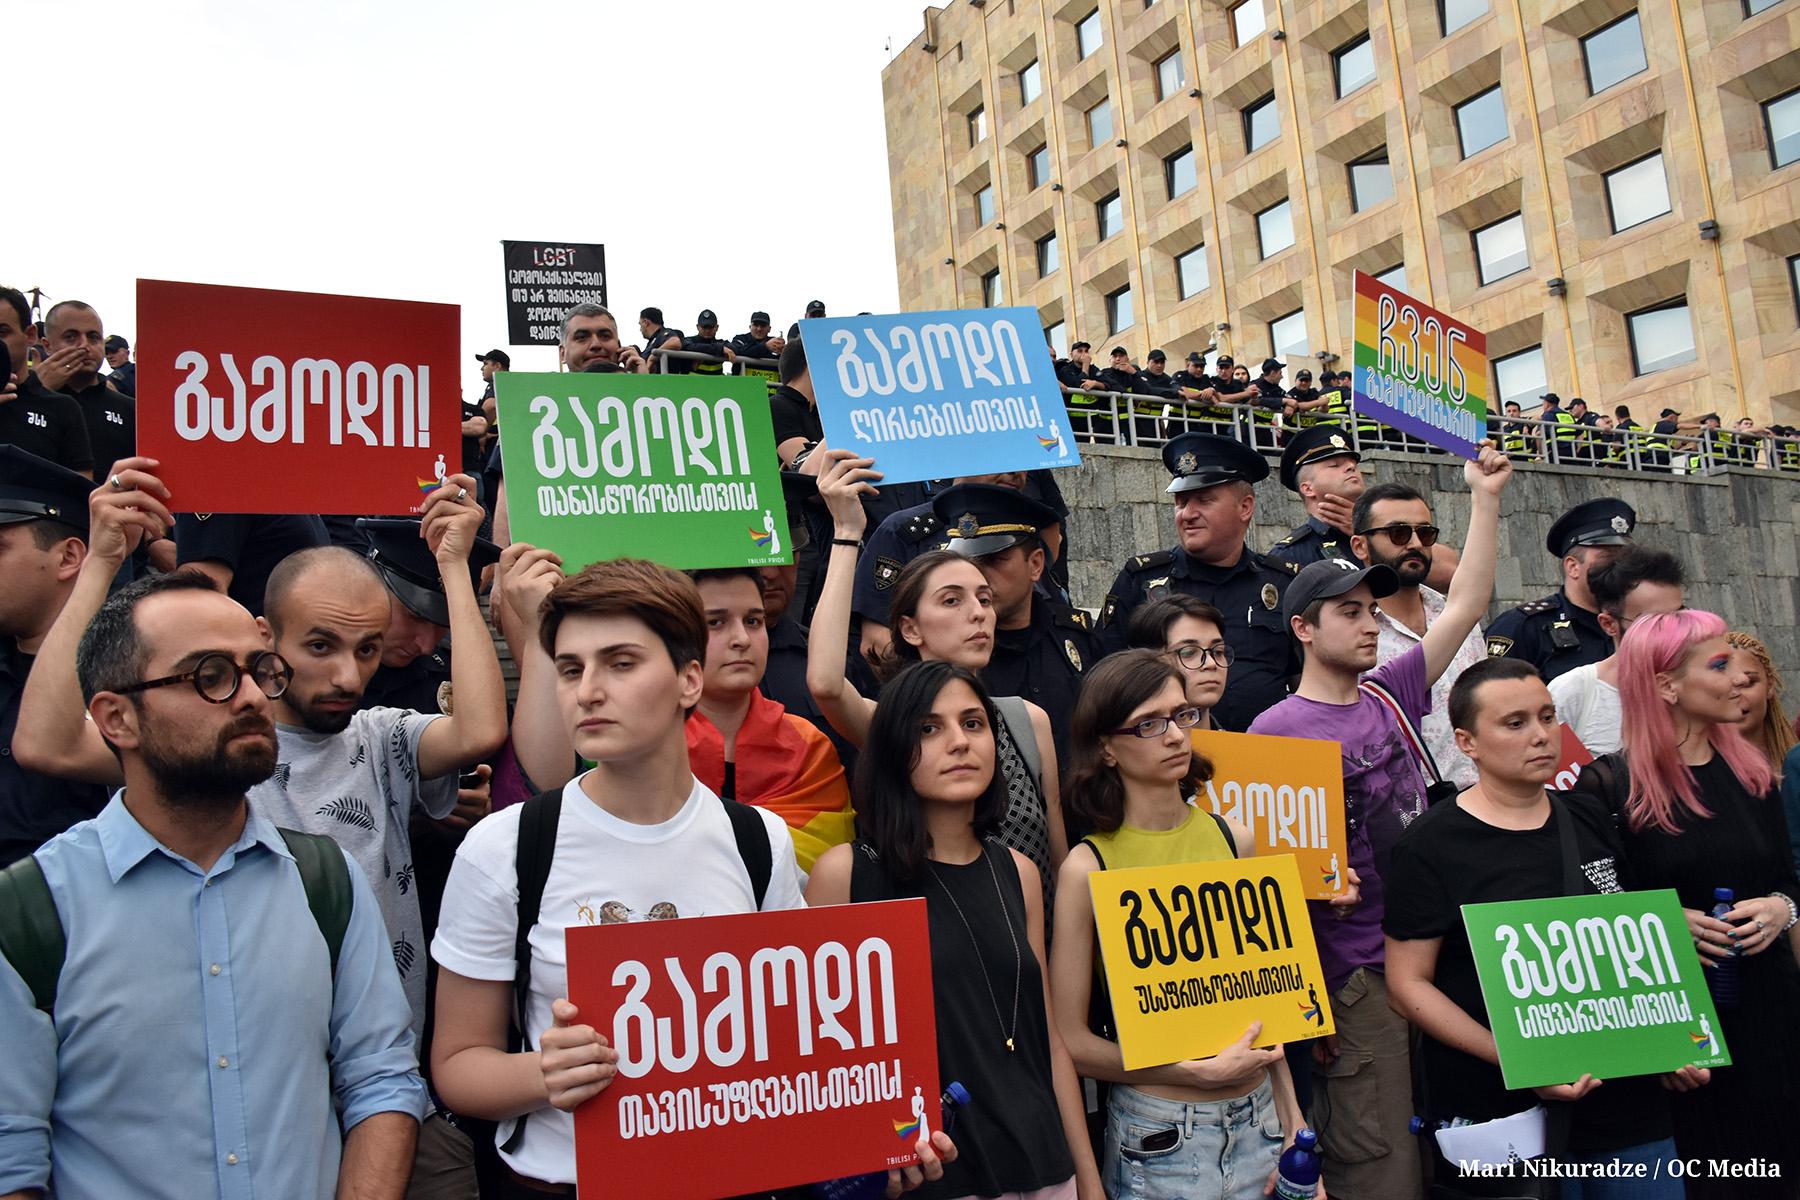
{"x": 295, "y": 402}
{"x": 764, "y": 1050}
{"x": 1570, "y": 760}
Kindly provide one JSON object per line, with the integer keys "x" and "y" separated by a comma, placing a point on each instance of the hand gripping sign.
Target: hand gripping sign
{"x": 261, "y": 401}
{"x": 1289, "y": 792}
{"x": 758, "y": 1051}
{"x": 1194, "y": 953}
{"x": 938, "y": 394}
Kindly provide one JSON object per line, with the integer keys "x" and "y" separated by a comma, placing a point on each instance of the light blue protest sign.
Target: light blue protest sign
{"x": 938, "y": 394}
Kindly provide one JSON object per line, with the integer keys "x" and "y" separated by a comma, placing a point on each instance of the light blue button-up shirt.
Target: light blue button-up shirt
{"x": 199, "y": 1047}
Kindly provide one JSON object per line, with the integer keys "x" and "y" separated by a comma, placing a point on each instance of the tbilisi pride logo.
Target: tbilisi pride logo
{"x": 766, "y": 539}
{"x": 913, "y": 1130}
{"x": 1310, "y": 1010}
{"x": 1054, "y": 441}
{"x": 428, "y": 486}
{"x": 1704, "y": 1044}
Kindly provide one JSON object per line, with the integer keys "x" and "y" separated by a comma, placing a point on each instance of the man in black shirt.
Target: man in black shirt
{"x": 1506, "y": 839}
{"x": 759, "y": 342}
{"x": 706, "y": 341}
{"x": 1270, "y": 400}
{"x": 1120, "y": 375}
{"x": 110, "y": 415}
{"x": 814, "y": 308}
{"x": 33, "y": 415}
{"x": 124, "y": 371}
{"x": 1193, "y": 377}
{"x": 658, "y": 336}
{"x": 1089, "y": 419}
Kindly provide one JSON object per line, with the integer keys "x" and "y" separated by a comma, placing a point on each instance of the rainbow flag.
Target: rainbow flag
{"x": 1310, "y": 1012}
{"x": 1330, "y": 878}
{"x": 761, "y": 537}
{"x": 427, "y": 486}
{"x": 1048, "y": 443}
{"x": 1702, "y": 1042}
{"x": 907, "y": 1131}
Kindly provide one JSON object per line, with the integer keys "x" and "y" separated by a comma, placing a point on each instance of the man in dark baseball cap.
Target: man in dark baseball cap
{"x": 758, "y": 342}
{"x": 705, "y": 340}
{"x": 1328, "y": 579}
{"x": 124, "y": 371}
{"x": 500, "y": 359}
{"x": 415, "y": 655}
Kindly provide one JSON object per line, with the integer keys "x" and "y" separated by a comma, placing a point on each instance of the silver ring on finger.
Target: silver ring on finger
{"x": 1759, "y": 924}
{"x": 117, "y": 486}
{"x": 462, "y": 494}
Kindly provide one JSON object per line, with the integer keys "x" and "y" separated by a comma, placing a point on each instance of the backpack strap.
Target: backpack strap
{"x": 31, "y": 932}
{"x": 752, "y": 838}
{"x": 1012, "y": 710}
{"x": 538, "y": 819}
{"x": 1421, "y": 755}
{"x": 326, "y": 877}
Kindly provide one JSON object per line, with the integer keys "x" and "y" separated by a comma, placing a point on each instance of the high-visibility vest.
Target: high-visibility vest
{"x": 1512, "y": 440}
{"x": 1565, "y": 426}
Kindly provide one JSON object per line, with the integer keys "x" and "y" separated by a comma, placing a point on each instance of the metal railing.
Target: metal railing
{"x": 741, "y": 366}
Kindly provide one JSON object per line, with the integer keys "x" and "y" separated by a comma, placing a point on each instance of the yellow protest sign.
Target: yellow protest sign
{"x": 1195, "y": 952}
{"x": 1289, "y": 792}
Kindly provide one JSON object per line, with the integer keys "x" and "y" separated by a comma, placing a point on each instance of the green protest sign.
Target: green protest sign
{"x": 680, "y": 469}
{"x": 1604, "y": 985}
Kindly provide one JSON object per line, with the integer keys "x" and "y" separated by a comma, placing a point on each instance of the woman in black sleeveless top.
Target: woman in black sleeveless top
{"x": 926, "y": 798}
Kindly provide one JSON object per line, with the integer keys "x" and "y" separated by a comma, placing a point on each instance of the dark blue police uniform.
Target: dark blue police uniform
{"x": 1552, "y": 633}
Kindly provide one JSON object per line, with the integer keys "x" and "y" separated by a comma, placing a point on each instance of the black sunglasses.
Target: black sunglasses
{"x": 217, "y": 676}
{"x": 1401, "y": 533}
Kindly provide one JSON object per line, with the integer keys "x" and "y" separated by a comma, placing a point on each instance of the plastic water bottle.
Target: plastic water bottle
{"x": 867, "y": 1187}
{"x": 1722, "y": 978}
{"x": 1298, "y": 1175}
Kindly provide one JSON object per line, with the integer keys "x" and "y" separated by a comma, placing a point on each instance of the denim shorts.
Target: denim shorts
{"x": 1220, "y": 1149}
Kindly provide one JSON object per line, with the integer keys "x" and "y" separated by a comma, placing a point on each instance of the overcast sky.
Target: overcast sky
{"x": 729, "y": 155}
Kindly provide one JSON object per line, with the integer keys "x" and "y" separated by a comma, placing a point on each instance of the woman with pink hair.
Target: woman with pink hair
{"x": 1698, "y": 810}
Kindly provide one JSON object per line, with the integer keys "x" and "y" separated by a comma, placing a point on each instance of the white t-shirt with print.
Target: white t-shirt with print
{"x": 604, "y": 871}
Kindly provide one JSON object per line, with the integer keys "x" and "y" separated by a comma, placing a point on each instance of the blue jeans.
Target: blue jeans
{"x": 1656, "y": 1183}
{"x": 1220, "y": 1150}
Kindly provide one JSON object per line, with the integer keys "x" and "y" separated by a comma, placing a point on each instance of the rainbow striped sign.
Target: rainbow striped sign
{"x": 1418, "y": 370}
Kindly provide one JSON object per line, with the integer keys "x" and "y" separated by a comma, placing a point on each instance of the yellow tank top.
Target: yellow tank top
{"x": 1199, "y": 838}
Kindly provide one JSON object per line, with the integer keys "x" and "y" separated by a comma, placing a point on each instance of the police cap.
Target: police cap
{"x": 1197, "y": 358}
{"x": 985, "y": 518}
{"x": 496, "y": 356}
{"x": 815, "y": 308}
{"x": 1331, "y": 577}
{"x": 706, "y": 319}
{"x": 1313, "y": 444}
{"x": 1157, "y": 356}
{"x": 115, "y": 342}
{"x": 759, "y": 318}
{"x": 409, "y": 568}
{"x": 1603, "y": 522}
{"x": 1273, "y": 364}
{"x": 1200, "y": 460}
{"x": 36, "y": 489}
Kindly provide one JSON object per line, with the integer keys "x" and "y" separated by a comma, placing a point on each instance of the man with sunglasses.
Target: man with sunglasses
{"x": 1394, "y": 530}
{"x": 212, "y": 1026}
{"x": 1561, "y": 631}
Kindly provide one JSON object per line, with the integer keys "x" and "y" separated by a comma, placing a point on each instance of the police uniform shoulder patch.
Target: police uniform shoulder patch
{"x": 1148, "y": 562}
{"x": 1537, "y": 608}
{"x": 887, "y": 570}
{"x": 1108, "y": 610}
{"x": 1499, "y": 647}
{"x": 446, "y": 699}
{"x": 1270, "y": 597}
{"x": 919, "y": 528}
{"x": 1074, "y": 655}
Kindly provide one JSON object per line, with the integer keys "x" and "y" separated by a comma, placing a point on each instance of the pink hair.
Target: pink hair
{"x": 1661, "y": 784}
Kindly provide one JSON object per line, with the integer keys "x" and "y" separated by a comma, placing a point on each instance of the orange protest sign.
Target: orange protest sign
{"x": 1289, "y": 792}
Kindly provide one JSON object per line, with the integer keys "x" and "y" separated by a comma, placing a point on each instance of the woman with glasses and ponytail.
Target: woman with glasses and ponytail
{"x": 1203, "y": 1129}
{"x": 1699, "y": 812}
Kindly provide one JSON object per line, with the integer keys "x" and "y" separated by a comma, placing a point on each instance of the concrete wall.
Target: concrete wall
{"x": 1734, "y": 532}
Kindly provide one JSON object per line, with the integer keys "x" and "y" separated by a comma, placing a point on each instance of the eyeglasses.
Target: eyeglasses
{"x": 217, "y": 676}
{"x": 1149, "y": 727}
{"x": 1401, "y": 533}
{"x": 1195, "y": 658}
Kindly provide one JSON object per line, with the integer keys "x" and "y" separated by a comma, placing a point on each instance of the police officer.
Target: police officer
{"x": 759, "y": 341}
{"x": 1214, "y": 504}
{"x": 1041, "y": 646}
{"x": 1318, "y": 462}
{"x": 1119, "y": 375}
{"x": 1194, "y": 377}
{"x": 1562, "y": 631}
{"x": 1559, "y": 428}
{"x": 1271, "y": 401}
{"x": 814, "y": 309}
{"x": 415, "y": 651}
{"x": 43, "y": 538}
{"x": 705, "y": 340}
{"x": 1090, "y": 415}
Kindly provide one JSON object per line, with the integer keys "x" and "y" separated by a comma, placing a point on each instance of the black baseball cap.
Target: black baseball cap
{"x": 1157, "y": 356}
{"x": 1118, "y": 350}
{"x": 1080, "y": 346}
{"x": 815, "y": 308}
{"x": 115, "y": 342}
{"x": 1313, "y": 444}
{"x": 759, "y": 318}
{"x": 1604, "y": 522}
{"x": 706, "y": 318}
{"x": 985, "y": 518}
{"x": 1670, "y": 412}
{"x": 1551, "y": 396}
{"x": 498, "y": 356}
{"x": 1273, "y": 364}
{"x": 1303, "y": 373}
{"x": 1331, "y": 577}
{"x": 1194, "y": 356}
{"x": 410, "y": 570}
{"x": 36, "y": 489}
{"x": 1225, "y": 360}
{"x": 1201, "y": 460}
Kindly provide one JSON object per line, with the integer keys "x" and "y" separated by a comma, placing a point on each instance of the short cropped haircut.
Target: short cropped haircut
{"x": 291, "y": 570}
{"x": 62, "y": 306}
{"x": 651, "y": 314}
{"x": 661, "y": 597}
{"x": 1612, "y": 582}
{"x": 112, "y": 654}
{"x": 1375, "y": 494}
{"x": 793, "y": 360}
{"x": 16, "y": 299}
{"x": 582, "y": 310}
{"x": 1465, "y": 706}
{"x": 1148, "y": 628}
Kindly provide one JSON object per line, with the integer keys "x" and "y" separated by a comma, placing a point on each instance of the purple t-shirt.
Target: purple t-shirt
{"x": 1383, "y": 792}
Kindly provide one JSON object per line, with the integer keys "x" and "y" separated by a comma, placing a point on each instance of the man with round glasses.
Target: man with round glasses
{"x": 1394, "y": 529}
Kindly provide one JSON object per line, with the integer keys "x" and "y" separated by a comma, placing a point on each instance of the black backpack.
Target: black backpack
{"x": 31, "y": 930}
{"x": 538, "y": 820}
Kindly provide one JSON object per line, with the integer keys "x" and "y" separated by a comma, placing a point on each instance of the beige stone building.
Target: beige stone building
{"x": 1609, "y": 188}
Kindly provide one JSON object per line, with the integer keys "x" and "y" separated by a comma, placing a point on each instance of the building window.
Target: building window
{"x": 1058, "y": 337}
{"x": 1287, "y": 335}
{"x": 1247, "y": 21}
{"x": 1274, "y": 229}
{"x": 1661, "y": 337}
{"x": 1179, "y": 172}
{"x": 977, "y": 125}
{"x": 1614, "y": 53}
{"x": 1111, "y": 211}
{"x": 1394, "y": 277}
{"x": 1637, "y": 192}
{"x": 1087, "y": 34}
{"x": 1519, "y": 378}
{"x": 1500, "y": 249}
{"x": 1454, "y": 14}
{"x": 1037, "y": 166}
{"x": 1171, "y": 75}
{"x": 1752, "y": 7}
{"x": 1782, "y": 116}
{"x": 1190, "y": 272}
{"x": 1794, "y": 278}
{"x": 1262, "y": 123}
{"x": 1371, "y": 180}
{"x": 1354, "y": 65}
{"x": 1099, "y": 122}
{"x": 1481, "y": 121}
{"x": 984, "y": 205}
{"x": 992, "y": 295}
{"x": 1049, "y": 256}
{"x": 1119, "y": 317}
{"x": 1031, "y": 82}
